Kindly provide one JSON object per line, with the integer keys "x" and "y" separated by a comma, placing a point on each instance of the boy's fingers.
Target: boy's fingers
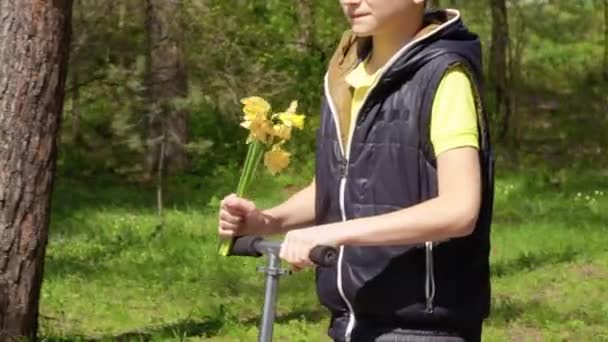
{"x": 227, "y": 228}
{"x": 226, "y": 233}
{"x": 303, "y": 260}
{"x": 283, "y": 251}
{"x": 223, "y": 201}
{"x": 239, "y": 205}
{"x": 226, "y": 216}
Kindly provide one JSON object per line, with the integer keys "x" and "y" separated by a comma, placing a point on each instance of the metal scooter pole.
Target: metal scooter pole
{"x": 324, "y": 256}
{"x": 273, "y": 272}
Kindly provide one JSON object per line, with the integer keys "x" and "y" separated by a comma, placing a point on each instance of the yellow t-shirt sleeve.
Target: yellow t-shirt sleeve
{"x": 454, "y": 114}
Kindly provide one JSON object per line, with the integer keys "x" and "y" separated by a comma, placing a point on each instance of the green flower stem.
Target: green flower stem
{"x": 240, "y": 189}
{"x": 252, "y": 160}
{"x": 257, "y": 150}
{"x": 258, "y": 158}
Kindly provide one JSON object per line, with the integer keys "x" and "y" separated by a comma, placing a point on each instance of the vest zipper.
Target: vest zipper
{"x": 351, "y": 317}
{"x": 344, "y": 173}
{"x": 430, "y": 278}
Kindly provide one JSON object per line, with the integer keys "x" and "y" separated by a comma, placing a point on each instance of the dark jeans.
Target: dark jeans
{"x": 470, "y": 333}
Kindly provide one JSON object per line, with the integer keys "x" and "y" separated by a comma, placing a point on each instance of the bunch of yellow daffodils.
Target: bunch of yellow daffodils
{"x": 267, "y": 133}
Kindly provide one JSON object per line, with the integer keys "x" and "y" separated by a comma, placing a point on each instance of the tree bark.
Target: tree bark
{"x": 499, "y": 73}
{"x": 305, "y": 15}
{"x": 34, "y": 48}
{"x": 76, "y": 134}
{"x": 74, "y": 77}
{"x": 606, "y": 40}
{"x": 167, "y": 81}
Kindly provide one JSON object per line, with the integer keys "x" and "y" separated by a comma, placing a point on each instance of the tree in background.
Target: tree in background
{"x": 103, "y": 128}
{"x": 499, "y": 72}
{"x": 305, "y": 15}
{"x": 606, "y": 40}
{"x": 34, "y": 47}
{"x": 167, "y": 128}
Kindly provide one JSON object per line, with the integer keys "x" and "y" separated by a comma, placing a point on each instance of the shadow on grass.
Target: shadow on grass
{"x": 506, "y": 309}
{"x": 91, "y": 263}
{"x": 311, "y": 316}
{"x": 187, "y": 328}
{"x": 181, "y": 329}
{"x": 73, "y": 194}
{"x": 535, "y": 312}
{"x": 530, "y": 261}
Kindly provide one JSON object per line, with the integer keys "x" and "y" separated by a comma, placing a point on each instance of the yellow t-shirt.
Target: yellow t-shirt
{"x": 454, "y": 114}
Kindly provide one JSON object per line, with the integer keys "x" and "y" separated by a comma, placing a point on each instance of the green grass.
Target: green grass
{"x": 110, "y": 275}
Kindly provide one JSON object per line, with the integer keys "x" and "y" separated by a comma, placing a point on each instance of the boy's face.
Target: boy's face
{"x": 373, "y": 17}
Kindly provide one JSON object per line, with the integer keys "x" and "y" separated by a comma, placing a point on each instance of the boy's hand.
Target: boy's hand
{"x": 239, "y": 216}
{"x": 297, "y": 245}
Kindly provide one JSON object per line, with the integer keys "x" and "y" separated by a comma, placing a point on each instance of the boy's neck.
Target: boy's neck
{"x": 386, "y": 44}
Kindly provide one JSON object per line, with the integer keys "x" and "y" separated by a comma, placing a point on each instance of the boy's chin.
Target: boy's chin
{"x": 362, "y": 32}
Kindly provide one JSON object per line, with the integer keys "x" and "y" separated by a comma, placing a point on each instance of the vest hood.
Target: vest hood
{"x": 445, "y": 33}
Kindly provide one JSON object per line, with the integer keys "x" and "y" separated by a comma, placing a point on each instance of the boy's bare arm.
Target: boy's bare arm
{"x": 297, "y": 212}
{"x": 239, "y": 216}
{"x": 453, "y": 213}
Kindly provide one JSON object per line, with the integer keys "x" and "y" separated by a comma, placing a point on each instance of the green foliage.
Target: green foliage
{"x": 109, "y": 275}
{"x": 239, "y": 48}
{"x": 102, "y": 129}
{"x": 254, "y": 53}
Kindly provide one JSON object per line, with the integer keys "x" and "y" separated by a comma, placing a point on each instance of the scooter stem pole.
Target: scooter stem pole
{"x": 273, "y": 272}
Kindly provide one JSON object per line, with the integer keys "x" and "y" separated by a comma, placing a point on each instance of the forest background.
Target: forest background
{"x": 150, "y": 142}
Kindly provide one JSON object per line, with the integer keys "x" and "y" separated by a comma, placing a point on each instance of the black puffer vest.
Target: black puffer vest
{"x": 391, "y": 165}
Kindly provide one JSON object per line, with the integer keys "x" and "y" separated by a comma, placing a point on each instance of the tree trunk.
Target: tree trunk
{"x": 518, "y": 42}
{"x": 34, "y": 48}
{"x": 74, "y": 78}
{"x": 305, "y": 15}
{"x": 499, "y": 73}
{"x": 606, "y": 40}
{"x": 76, "y": 136}
{"x": 167, "y": 82}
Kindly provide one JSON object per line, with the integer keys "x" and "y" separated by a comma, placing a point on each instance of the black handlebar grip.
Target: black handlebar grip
{"x": 246, "y": 246}
{"x": 324, "y": 256}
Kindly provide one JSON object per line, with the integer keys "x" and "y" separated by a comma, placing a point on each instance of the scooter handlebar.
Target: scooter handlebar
{"x": 246, "y": 246}
{"x": 255, "y": 246}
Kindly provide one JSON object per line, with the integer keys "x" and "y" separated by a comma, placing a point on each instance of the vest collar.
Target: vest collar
{"x": 352, "y": 49}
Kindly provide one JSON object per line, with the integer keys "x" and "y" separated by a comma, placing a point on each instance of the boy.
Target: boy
{"x": 403, "y": 182}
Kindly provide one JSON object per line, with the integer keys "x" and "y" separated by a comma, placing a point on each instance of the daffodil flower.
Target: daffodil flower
{"x": 292, "y": 120}
{"x": 293, "y": 107}
{"x": 290, "y": 117}
{"x": 276, "y": 159}
{"x": 256, "y": 111}
{"x": 281, "y": 131}
{"x": 255, "y": 107}
{"x": 258, "y": 130}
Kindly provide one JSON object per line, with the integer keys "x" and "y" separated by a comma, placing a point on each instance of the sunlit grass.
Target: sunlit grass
{"x": 110, "y": 274}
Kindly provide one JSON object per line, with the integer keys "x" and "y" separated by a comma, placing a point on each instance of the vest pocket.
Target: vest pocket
{"x": 327, "y": 289}
{"x": 379, "y": 281}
